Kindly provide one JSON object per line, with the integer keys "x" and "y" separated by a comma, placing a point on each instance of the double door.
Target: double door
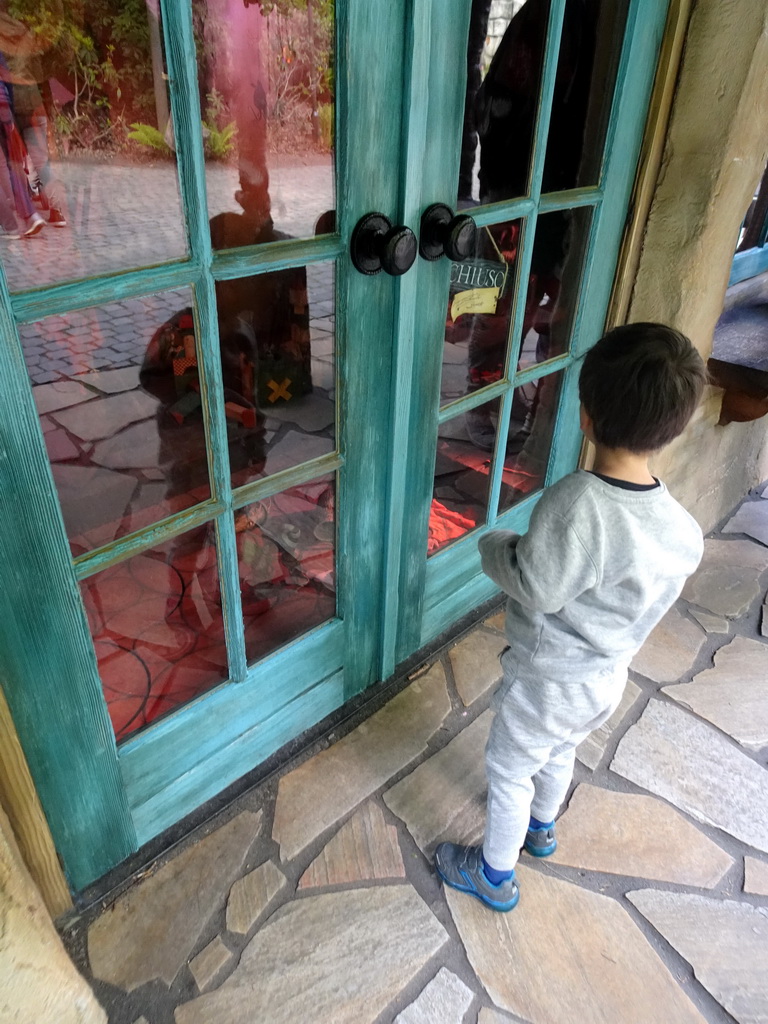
{"x": 251, "y": 433}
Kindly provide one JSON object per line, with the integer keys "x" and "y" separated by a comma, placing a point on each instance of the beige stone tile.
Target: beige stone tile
{"x": 107, "y": 416}
{"x": 444, "y": 798}
{"x": 670, "y": 650}
{"x": 365, "y": 848}
{"x": 686, "y": 761}
{"x": 726, "y": 581}
{"x": 337, "y": 958}
{"x": 209, "y": 963}
{"x": 445, "y": 1000}
{"x": 734, "y": 694}
{"x": 709, "y": 622}
{"x": 150, "y": 932}
{"x": 251, "y": 895}
{"x": 497, "y": 621}
{"x": 590, "y": 751}
{"x": 750, "y": 518}
{"x": 627, "y": 834}
{"x": 725, "y": 942}
{"x": 488, "y": 1016}
{"x": 755, "y": 876}
{"x": 326, "y": 788}
{"x": 764, "y": 620}
{"x": 566, "y": 955}
{"x": 475, "y": 664}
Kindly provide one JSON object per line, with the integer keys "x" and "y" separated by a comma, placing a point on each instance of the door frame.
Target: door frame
{"x": 100, "y": 800}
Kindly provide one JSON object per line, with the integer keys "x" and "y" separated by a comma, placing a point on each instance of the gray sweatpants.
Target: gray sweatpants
{"x": 530, "y": 753}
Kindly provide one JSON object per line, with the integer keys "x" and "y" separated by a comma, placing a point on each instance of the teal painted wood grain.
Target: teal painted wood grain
{"x": 61, "y": 299}
{"x": 370, "y": 87}
{"x": 440, "y": 102}
{"x": 271, "y": 256}
{"x": 47, "y": 664}
{"x": 181, "y": 59}
{"x": 230, "y": 723}
{"x": 206, "y": 780}
{"x": 408, "y": 309}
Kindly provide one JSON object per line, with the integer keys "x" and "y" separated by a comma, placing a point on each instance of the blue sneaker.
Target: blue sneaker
{"x": 541, "y": 842}
{"x": 461, "y": 867}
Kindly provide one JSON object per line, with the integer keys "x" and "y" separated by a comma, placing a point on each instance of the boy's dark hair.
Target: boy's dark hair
{"x": 640, "y": 385}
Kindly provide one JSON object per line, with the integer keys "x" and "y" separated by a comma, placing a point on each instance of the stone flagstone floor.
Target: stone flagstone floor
{"x": 312, "y": 897}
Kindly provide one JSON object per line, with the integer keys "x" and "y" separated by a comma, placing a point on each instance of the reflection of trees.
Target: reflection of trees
{"x": 108, "y": 55}
{"x": 99, "y": 50}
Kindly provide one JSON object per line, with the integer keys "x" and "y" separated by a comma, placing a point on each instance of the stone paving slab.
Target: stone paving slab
{"x": 364, "y": 849}
{"x": 590, "y": 751}
{"x": 251, "y": 895}
{"x": 734, "y": 694}
{"x": 711, "y": 623}
{"x": 670, "y": 650}
{"x": 487, "y": 1016}
{"x": 686, "y": 761}
{"x": 209, "y": 963}
{"x": 751, "y": 518}
{"x": 326, "y": 788}
{"x": 444, "y": 798}
{"x": 150, "y": 932}
{"x": 105, "y": 417}
{"x": 726, "y": 582}
{"x": 111, "y": 382}
{"x": 590, "y": 964}
{"x": 475, "y": 664}
{"x": 734, "y": 967}
{"x": 755, "y": 876}
{"x": 337, "y": 958}
{"x": 627, "y": 834}
{"x": 60, "y": 395}
{"x": 445, "y": 1000}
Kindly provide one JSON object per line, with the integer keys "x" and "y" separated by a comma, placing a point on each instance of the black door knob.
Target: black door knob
{"x": 443, "y": 233}
{"x": 376, "y": 246}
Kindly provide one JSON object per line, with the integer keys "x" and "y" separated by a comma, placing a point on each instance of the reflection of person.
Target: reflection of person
{"x": 25, "y": 70}
{"x": 504, "y": 116}
{"x": 606, "y": 555}
{"x": 13, "y": 181}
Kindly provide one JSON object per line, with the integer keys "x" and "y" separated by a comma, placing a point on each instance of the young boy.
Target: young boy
{"x": 606, "y": 555}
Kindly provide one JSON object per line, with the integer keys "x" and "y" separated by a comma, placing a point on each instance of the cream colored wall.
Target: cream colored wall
{"x": 714, "y": 153}
{"x": 38, "y": 982}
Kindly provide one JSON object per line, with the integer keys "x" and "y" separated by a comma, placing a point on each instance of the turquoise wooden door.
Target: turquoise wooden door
{"x": 242, "y": 479}
{"x": 541, "y": 149}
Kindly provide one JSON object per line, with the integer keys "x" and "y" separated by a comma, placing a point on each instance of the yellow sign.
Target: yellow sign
{"x": 475, "y": 300}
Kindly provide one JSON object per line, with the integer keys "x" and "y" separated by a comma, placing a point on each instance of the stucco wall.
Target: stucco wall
{"x": 38, "y": 982}
{"x": 714, "y": 154}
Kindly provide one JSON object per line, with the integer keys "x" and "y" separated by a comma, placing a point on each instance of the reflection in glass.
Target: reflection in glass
{"x": 593, "y": 31}
{"x": 478, "y": 314}
{"x": 277, "y": 343}
{"x": 462, "y": 472}
{"x": 504, "y": 67}
{"x": 265, "y": 73}
{"x": 117, "y": 393}
{"x": 532, "y": 424}
{"x": 157, "y": 629}
{"x": 504, "y": 64}
{"x": 286, "y": 554}
{"x": 557, "y": 265}
{"x": 87, "y": 170}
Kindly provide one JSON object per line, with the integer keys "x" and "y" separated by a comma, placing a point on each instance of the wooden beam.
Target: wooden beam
{"x": 20, "y": 802}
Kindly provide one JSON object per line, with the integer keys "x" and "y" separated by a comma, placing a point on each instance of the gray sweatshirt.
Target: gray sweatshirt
{"x": 597, "y": 569}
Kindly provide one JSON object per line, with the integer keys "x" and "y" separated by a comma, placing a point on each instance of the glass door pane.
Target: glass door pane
{"x": 88, "y": 181}
{"x": 266, "y": 77}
